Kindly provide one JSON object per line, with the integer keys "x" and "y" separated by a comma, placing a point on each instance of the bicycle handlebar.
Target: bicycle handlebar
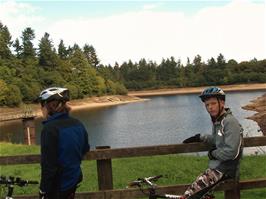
{"x": 15, "y": 181}
{"x": 147, "y": 180}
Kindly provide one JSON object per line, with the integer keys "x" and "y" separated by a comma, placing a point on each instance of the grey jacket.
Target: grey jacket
{"x": 226, "y": 142}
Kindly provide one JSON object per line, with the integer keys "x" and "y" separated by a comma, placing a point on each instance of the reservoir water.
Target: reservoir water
{"x": 160, "y": 120}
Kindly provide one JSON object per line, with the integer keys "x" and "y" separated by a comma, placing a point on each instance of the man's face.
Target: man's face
{"x": 212, "y": 106}
{"x": 44, "y": 112}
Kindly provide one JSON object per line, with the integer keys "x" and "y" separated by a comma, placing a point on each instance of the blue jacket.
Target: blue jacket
{"x": 64, "y": 141}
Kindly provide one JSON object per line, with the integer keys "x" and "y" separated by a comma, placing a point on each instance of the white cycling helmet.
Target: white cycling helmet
{"x": 54, "y": 93}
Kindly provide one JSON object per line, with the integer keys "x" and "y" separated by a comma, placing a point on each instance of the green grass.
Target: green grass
{"x": 17, "y": 149}
{"x": 177, "y": 169}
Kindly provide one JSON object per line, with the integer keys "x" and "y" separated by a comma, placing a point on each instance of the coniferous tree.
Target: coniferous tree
{"x": 18, "y": 48}
{"x": 62, "y": 51}
{"x": 5, "y": 42}
{"x": 91, "y": 55}
{"x": 47, "y": 55}
{"x": 221, "y": 62}
{"x": 28, "y": 51}
{"x": 75, "y": 48}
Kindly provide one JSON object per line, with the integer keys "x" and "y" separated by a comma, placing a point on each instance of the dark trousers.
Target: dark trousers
{"x": 68, "y": 194}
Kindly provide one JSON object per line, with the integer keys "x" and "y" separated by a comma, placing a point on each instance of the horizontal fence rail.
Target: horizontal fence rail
{"x": 173, "y": 189}
{"x": 102, "y": 154}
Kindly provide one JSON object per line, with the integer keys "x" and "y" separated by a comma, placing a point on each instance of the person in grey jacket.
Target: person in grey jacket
{"x": 225, "y": 145}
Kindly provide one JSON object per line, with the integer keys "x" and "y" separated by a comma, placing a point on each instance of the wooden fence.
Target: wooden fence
{"x": 18, "y": 116}
{"x": 104, "y": 156}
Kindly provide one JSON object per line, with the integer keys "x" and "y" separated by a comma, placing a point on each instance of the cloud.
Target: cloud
{"x": 128, "y": 36}
{"x": 18, "y": 16}
{"x": 237, "y": 30}
{"x": 151, "y": 6}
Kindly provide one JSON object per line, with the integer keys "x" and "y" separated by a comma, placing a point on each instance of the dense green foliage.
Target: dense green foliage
{"x": 25, "y": 70}
{"x": 172, "y": 73}
{"x": 177, "y": 169}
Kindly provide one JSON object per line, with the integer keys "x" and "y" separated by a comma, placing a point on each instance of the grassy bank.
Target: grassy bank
{"x": 176, "y": 169}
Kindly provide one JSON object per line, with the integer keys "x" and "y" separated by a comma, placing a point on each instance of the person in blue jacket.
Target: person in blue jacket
{"x": 225, "y": 145}
{"x": 64, "y": 142}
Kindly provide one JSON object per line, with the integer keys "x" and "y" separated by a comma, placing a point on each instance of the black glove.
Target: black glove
{"x": 211, "y": 157}
{"x": 195, "y": 138}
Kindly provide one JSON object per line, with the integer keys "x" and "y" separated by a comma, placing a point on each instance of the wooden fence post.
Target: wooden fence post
{"x": 233, "y": 193}
{"x": 29, "y": 130}
{"x": 104, "y": 170}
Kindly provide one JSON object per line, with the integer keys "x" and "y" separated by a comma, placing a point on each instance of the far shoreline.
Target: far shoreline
{"x": 132, "y": 97}
{"x": 194, "y": 90}
{"x": 140, "y": 96}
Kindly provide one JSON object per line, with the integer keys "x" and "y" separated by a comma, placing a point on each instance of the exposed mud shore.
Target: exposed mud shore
{"x": 258, "y": 105}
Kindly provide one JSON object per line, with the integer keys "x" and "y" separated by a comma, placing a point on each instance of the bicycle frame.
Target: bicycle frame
{"x": 152, "y": 188}
{"x": 165, "y": 196}
{"x": 140, "y": 182}
{"x": 10, "y": 192}
{"x": 153, "y": 195}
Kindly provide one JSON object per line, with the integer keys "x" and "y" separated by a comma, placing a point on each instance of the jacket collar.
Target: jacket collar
{"x": 55, "y": 116}
{"x": 221, "y": 117}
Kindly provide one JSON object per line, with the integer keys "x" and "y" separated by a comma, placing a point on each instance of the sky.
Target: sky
{"x": 131, "y": 30}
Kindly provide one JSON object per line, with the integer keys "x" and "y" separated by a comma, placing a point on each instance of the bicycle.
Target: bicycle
{"x": 10, "y": 181}
{"x": 148, "y": 181}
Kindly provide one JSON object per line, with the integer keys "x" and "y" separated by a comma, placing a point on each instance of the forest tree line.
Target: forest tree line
{"x": 26, "y": 70}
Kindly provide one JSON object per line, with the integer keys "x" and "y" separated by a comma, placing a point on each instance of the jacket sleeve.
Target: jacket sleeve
{"x": 86, "y": 146}
{"x": 208, "y": 139}
{"x": 49, "y": 164}
{"x": 232, "y": 141}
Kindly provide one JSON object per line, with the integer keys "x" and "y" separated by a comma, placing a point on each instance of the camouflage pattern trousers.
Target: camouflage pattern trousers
{"x": 204, "y": 183}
